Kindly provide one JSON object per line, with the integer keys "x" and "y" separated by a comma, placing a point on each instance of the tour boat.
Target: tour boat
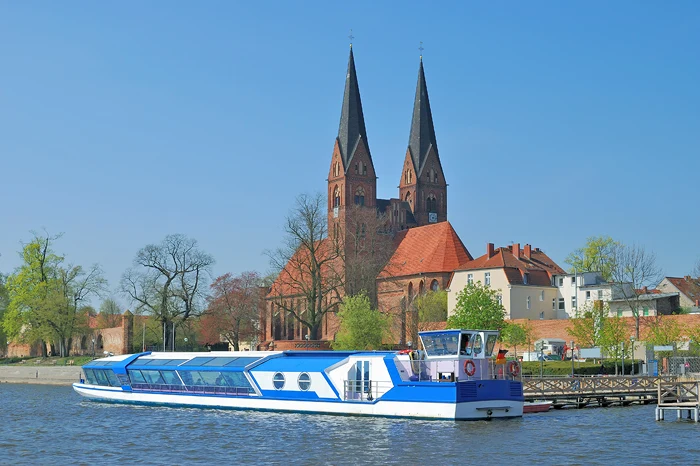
{"x": 454, "y": 377}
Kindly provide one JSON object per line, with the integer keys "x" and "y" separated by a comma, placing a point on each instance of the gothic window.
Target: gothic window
{"x": 336, "y": 197}
{"x": 434, "y": 285}
{"x": 408, "y": 198}
{"x": 408, "y": 177}
{"x": 356, "y": 169}
{"x": 410, "y": 293}
{"x": 421, "y": 288}
{"x": 364, "y": 168}
{"x": 363, "y": 231}
{"x": 360, "y": 196}
{"x": 431, "y": 203}
{"x": 336, "y": 169}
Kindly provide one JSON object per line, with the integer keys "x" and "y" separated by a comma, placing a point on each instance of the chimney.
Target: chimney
{"x": 645, "y": 290}
{"x": 697, "y": 303}
{"x": 528, "y": 251}
{"x": 489, "y": 250}
{"x": 516, "y": 250}
{"x": 687, "y": 278}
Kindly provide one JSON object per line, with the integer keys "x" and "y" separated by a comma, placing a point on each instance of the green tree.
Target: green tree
{"x": 432, "y": 306}
{"x": 598, "y": 255}
{"x": 361, "y": 327}
{"x": 46, "y": 297}
{"x": 585, "y": 326}
{"x": 478, "y": 308}
{"x": 662, "y": 330}
{"x": 513, "y": 335}
{"x": 110, "y": 315}
{"x": 4, "y": 301}
{"x": 614, "y": 337}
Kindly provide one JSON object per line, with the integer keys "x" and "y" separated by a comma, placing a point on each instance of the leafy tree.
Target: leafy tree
{"x": 586, "y": 325}
{"x": 432, "y": 306}
{"x": 310, "y": 265}
{"x": 4, "y": 301}
{"x": 47, "y": 296}
{"x": 598, "y": 255}
{"x": 696, "y": 269}
{"x": 635, "y": 268}
{"x": 662, "y": 330}
{"x": 166, "y": 281}
{"x": 110, "y": 315}
{"x": 693, "y": 334}
{"x": 477, "y": 308}
{"x": 361, "y": 327}
{"x": 513, "y": 335}
{"x": 234, "y": 309}
{"x": 614, "y": 337}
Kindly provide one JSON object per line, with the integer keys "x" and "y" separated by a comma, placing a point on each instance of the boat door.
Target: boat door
{"x": 359, "y": 383}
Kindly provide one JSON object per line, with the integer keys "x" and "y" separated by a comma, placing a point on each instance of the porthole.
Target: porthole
{"x": 278, "y": 381}
{"x": 304, "y": 381}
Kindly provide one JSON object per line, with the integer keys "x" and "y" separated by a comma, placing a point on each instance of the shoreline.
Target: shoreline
{"x": 40, "y": 375}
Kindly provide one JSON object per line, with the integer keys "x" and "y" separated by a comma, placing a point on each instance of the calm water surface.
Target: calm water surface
{"x": 53, "y": 425}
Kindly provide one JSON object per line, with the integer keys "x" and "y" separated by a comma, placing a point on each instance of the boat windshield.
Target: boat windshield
{"x": 441, "y": 343}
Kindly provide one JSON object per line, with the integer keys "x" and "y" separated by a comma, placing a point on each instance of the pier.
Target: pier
{"x": 678, "y": 396}
{"x": 583, "y": 391}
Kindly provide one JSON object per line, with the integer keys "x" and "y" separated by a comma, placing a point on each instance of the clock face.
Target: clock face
{"x": 432, "y": 217}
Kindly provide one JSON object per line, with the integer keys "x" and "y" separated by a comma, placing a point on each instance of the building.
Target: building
{"x": 522, "y": 276}
{"x": 579, "y": 291}
{"x": 422, "y": 247}
{"x": 649, "y": 304}
{"x": 688, "y": 289}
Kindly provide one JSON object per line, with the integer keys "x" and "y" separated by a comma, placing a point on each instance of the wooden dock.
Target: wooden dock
{"x": 583, "y": 391}
{"x": 678, "y": 396}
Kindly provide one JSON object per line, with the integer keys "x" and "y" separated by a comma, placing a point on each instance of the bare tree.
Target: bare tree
{"x": 310, "y": 265}
{"x": 634, "y": 267}
{"x": 166, "y": 281}
{"x": 234, "y": 308}
{"x": 696, "y": 269}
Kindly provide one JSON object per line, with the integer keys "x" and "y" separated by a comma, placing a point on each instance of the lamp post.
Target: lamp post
{"x": 632, "y": 341}
{"x": 622, "y": 344}
{"x": 572, "y": 358}
{"x": 93, "y": 347}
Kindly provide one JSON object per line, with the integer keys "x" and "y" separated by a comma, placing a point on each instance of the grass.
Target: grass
{"x": 562, "y": 368}
{"x": 53, "y": 361}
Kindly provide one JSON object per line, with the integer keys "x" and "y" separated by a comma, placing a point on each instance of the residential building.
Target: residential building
{"x": 648, "y": 305}
{"x": 523, "y": 278}
{"x": 581, "y": 290}
{"x": 688, "y": 289}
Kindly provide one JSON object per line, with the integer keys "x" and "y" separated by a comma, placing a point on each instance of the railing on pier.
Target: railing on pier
{"x": 678, "y": 393}
{"x": 570, "y": 387}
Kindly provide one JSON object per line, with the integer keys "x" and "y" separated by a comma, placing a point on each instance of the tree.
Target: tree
{"x": 166, "y": 281}
{"x": 513, "y": 335}
{"x": 614, "y": 338}
{"x": 234, "y": 308}
{"x": 477, "y": 308}
{"x": 4, "y": 301}
{"x": 696, "y": 269}
{"x": 634, "y": 267}
{"x": 598, "y": 255}
{"x": 361, "y": 327}
{"x": 47, "y": 296}
{"x": 662, "y": 330}
{"x": 110, "y": 315}
{"x": 586, "y": 325}
{"x": 311, "y": 279}
{"x": 432, "y": 306}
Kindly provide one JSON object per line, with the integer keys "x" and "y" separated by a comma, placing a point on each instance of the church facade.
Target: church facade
{"x": 420, "y": 247}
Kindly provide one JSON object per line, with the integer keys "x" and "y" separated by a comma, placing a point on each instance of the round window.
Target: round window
{"x": 278, "y": 381}
{"x": 304, "y": 381}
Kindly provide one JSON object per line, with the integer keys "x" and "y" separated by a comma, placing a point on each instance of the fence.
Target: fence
{"x": 684, "y": 366}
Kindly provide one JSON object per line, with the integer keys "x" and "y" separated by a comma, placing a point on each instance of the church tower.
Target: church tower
{"x": 352, "y": 182}
{"x": 423, "y": 186}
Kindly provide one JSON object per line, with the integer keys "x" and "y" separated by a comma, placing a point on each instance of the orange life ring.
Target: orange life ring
{"x": 469, "y": 370}
{"x": 513, "y": 368}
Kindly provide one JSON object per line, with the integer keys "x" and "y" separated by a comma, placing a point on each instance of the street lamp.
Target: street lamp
{"x": 632, "y": 340}
{"x": 93, "y": 347}
{"x": 572, "y": 358}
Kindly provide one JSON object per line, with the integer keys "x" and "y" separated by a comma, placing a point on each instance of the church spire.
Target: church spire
{"x": 422, "y": 135}
{"x": 352, "y": 121}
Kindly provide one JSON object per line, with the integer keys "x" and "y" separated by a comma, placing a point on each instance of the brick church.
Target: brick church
{"x": 422, "y": 248}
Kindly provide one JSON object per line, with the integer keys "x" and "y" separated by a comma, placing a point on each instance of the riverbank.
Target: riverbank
{"x": 44, "y": 375}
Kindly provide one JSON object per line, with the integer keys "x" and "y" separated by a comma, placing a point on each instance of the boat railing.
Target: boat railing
{"x": 198, "y": 389}
{"x": 364, "y": 390}
{"x": 455, "y": 370}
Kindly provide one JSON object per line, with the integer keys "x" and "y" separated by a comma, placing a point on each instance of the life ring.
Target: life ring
{"x": 513, "y": 368}
{"x": 469, "y": 367}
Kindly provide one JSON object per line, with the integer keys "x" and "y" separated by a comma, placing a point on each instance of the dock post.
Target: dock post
{"x": 697, "y": 412}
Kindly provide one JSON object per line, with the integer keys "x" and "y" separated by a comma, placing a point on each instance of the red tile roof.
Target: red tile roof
{"x": 428, "y": 249}
{"x": 539, "y": 266}
{"x": 689, "y": 286}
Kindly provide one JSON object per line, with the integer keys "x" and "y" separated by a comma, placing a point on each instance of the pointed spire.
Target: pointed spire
{"x": 352, "y": 120}
{"x": 422, "y": 135}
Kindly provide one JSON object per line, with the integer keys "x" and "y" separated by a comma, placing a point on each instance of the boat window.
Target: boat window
{"x": 236, "y": 379}
{"x": 90, "y": 376}
{"x": 304, "y": 381}
{"x": 464, "y": 345}
{"x": 219, "y": 361}
{"x": 174, "y": 362}
{"x": 170, "y": 377}
{"x": 152, "y": 377}
{"x": 198, "y": 361}
{"x": 478, "y": 348}
{"x": 441, "y": 344}
{"x": 214, "y": 379}
{"x": 136, "y": 377}
{"x": 112, "y": 378}
{"x": 240, "y": 362}
{"x": 101, "y": 377}
{"x": 490, "y": 344}
{"x": 278, "y": 381}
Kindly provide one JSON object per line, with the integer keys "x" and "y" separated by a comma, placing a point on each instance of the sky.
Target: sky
{"x": 123, "y": 122}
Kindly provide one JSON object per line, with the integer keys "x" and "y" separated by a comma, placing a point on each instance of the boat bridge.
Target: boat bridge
{"x": 582, "y": 391}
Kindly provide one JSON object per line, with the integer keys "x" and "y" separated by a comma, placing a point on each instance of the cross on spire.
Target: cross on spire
{"x": 351, "y": 37}
{"x": 421, "y": 50}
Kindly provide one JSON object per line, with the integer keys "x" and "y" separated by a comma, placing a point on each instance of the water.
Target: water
{"x": 53, "y": 425}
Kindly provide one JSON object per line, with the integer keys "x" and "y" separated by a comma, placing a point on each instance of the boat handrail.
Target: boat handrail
{"x": 364, "y": 390}
{"x": 198, "y": 389}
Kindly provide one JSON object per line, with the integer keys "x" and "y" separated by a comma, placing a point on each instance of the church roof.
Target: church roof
{"x": 422, "y": 135}
{"x": 352, "y": 120}
{"x": 433, "y": 248}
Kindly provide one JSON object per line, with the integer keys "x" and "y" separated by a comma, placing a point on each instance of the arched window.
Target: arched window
{"x": 336, "y": 168}
{"x": 431, "y": 203}
{"x": 410, "y": 293}
{"x": 421, "y": 288}
{"x": 408, "y": 198}
{"x": 434, "y": 285}
{"x": 336, "y": 197}
{"x": 360, "y": 196}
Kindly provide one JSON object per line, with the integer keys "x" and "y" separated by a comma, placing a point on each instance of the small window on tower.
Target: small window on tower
{"x": 356, "y": 169}
{"x": 364, "y": 168}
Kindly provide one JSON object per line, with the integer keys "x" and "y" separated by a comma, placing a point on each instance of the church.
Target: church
{"x": 418, "y": 248}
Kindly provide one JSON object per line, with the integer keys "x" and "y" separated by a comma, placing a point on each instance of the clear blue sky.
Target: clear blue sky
{"x": 122, "y": 122}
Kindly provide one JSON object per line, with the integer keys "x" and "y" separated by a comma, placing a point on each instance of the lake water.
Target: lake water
{"x": 53, "y": 425}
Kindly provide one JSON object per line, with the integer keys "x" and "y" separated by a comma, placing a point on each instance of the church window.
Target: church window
{"x": 336, "y": 169}
{"x": 364, "y": 168}
{"x": 431, "y": 203}
{"x": 356, "y": 170}
{"x": 408, "y": 198}
{"x": 360, "y": 197}
{"x": 421, "y": 288}
{"x": 434, "y": 285}
{"x": 336, "y": 197}
{"x": 363, "y": 231}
